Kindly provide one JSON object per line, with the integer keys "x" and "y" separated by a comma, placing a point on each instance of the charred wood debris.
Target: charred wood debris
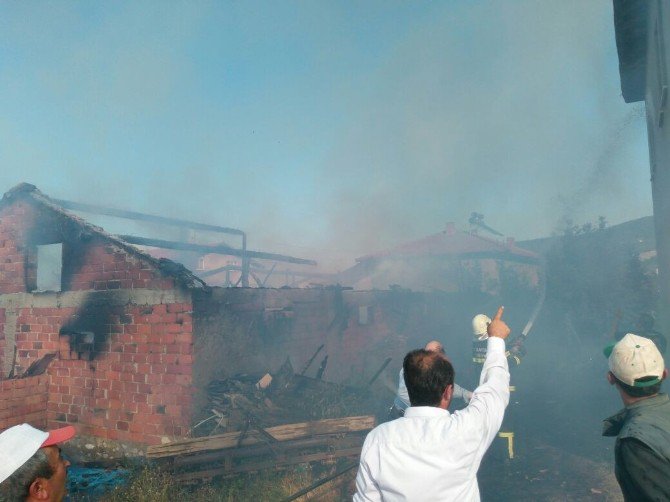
{"x": 257, "y": 422}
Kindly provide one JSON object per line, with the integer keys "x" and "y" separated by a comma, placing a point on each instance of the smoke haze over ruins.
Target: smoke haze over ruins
{"x": 325, "y": 130}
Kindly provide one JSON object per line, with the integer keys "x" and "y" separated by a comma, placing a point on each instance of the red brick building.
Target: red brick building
{"x": 119, "y": 321}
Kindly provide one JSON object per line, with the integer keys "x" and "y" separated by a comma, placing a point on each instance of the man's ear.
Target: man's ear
{"x": 39, "y": 489}
{"x": 448, "y": 393}
{"x": 610, "y": 378}
{"x": 665, "y": 374}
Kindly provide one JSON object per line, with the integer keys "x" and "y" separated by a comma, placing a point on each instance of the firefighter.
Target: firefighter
{"x": 514, "y": 354}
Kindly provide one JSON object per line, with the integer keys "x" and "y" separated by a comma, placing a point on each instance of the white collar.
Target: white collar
{"x": 425, "y": 411}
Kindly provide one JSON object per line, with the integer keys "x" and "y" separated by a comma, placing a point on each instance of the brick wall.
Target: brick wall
{"x": 14, "y": 221}
{"x": 121, "y": 328}
{"x": 90, "y": 262}
{"x": 137, "y": 387}
{"x": 132, "y": 383}
{"x": 24, "y": 400}
{"x": 102, "y": 266}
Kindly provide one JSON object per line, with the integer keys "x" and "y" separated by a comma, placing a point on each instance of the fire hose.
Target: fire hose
{"x": 517, "y": 349}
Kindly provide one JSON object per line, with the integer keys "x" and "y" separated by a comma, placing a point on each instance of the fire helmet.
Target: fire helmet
{"x": 479, "y": 324}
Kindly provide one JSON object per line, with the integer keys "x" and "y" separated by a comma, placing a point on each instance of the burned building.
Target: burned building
{"x": 451, "y": 261}
{"x": 123, "y": 344}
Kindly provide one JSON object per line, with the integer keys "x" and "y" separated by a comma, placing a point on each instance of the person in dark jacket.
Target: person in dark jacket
{"x": 642, "y": 428}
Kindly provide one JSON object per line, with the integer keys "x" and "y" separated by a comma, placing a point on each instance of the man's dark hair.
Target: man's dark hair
{"x": 16, "y": 486}
{"x": 427, "y": 374}
{"x": 640, "y": 391}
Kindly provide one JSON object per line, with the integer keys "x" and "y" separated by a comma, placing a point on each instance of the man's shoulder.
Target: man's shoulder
{"x": 374, "y": 437}
{"x": 418, "y": 421}
{"x": 649, "y": 424}
{"x": 651, "y": 410}
{"x": 385, "y": 429}
{"x": 391, "y": 431}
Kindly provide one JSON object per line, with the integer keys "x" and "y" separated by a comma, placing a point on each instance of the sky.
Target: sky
{"x": 325, "y": 130}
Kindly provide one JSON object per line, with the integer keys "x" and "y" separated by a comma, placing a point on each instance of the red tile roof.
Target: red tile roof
{"x": 453, "y": 242}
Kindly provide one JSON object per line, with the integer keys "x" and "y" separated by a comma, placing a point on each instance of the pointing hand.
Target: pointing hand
{"x": 498, "y": 328}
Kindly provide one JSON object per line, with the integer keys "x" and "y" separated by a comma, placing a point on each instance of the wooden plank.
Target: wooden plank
{"x": 258, "y": 466}
{"x": 280, "y": 432}
{"x": 332, "y": 442}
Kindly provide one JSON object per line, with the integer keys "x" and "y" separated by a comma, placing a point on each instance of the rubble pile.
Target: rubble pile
{"x": 282, "y": 398}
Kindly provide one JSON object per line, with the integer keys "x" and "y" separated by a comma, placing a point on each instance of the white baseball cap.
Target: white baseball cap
{"x": 633, "y": 358}
{"x": 19, "y": 443}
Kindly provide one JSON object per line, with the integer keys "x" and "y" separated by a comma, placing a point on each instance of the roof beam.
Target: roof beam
{"x": 216, "y": 249}
{"x": 133, "y": 215}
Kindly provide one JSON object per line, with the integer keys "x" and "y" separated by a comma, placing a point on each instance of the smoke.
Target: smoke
{"x": 325, "y": 131}
{"x": 606, "y": 178}
{"x": 511, "y": 122}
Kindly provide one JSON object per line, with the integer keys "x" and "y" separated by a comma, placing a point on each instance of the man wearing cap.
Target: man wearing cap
{"x": 642, "y": 428}
{"x": 31, "y": 465}
{"x": 401, "y": 402}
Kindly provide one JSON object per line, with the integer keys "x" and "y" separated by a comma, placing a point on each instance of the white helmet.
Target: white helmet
{"x": 479, "y": 324}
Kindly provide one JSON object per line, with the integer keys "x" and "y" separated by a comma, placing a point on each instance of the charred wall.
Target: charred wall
{"x": 133, "y": 382}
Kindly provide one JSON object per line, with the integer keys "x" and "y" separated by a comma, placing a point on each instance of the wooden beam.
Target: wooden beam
{"x": 217, "y": 249}
{"x": 280, "y": 432}
{"x": 330, "y": 442}
{"x": 379, "y": 371}
{"x": 267, "y": 464}
{"x": 133, "y": 215}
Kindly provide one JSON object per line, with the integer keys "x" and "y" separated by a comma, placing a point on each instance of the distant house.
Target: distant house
{"x": 450, "y": 261}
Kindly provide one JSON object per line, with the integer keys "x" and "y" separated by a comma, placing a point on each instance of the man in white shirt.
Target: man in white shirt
{"x": 401, "y": 402}
{"x": 430, "y": 454}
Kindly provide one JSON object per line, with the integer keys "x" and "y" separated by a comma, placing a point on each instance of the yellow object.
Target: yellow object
{"x": 510, "y": 442}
